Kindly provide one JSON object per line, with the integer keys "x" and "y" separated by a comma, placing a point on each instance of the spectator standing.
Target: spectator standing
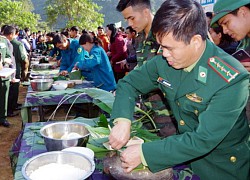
{"x": 26, "y": 50}
{"x": 10, "y": 32}
{"x": 41, "y": 45}
{"x": 103, "y": 37}
{"x": 118, "y": 51}
{"x": 74, "y": 32}
{"x": 132, "y": 44}
{"x": 33, "y": 40}
{"x": 4, "y": 82}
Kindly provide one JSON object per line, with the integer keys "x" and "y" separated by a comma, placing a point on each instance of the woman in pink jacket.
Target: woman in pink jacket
{"x": 118, "y": 51}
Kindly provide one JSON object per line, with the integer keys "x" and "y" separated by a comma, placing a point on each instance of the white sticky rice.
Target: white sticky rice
{"x": 56, "y": 171}
{"x": 72, "y": 135}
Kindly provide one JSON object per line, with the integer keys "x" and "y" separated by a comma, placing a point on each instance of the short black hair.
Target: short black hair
{"x": 84, "y": 31}
{"x": 51, "y": 34}
{"x": 65, "y": 32}
{"x": 209, "y": 15}
{"x": 59, "y": 38}
{"x": 74, "y": 28}
{"x": 26, "y": 29}
{"x": 123, "y": 4}
{"x": 183, "y": 18}
{"x": 100, "y": 27}
{"x": 9, "y": 30}
{"x": 131, "y": 29}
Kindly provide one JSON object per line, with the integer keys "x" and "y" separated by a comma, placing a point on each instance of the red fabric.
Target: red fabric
{"x": 105, "y": 42}
{"x": 118, "y": 51}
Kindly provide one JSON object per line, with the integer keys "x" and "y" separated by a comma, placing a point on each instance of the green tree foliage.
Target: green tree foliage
{"x": 27, "y": 5}
{"x": 82, "y": 13}
{"x": 14, "y": 12}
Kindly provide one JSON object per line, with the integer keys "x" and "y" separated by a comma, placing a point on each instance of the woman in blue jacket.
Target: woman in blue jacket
{"x": 97, "y": 62}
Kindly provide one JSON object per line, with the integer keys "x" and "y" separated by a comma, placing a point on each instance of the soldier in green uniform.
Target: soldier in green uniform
{"x": 234, "y": 17}
{"x": 4, "y": 83}
{"x": 139, "y": 16}
{"x": 207, "y": 90}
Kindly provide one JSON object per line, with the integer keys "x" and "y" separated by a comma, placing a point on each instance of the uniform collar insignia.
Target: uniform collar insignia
{"x": 202, "y": 76}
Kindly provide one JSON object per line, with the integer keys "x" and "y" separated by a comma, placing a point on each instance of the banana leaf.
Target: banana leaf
{"x": 75, "y": 75}
{"x": 103, "y": 99}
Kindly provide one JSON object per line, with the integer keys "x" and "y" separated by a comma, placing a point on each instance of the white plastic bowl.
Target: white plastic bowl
{"x": 60, "y": 86}
{"x": 81, "y": 150}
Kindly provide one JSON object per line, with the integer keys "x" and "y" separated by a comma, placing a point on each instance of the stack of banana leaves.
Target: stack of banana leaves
{"x": 99, "y": 127}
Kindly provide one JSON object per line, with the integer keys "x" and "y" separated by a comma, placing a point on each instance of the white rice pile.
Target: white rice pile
{"x": 72, "y": 135}
{"x": 56, "y": 171}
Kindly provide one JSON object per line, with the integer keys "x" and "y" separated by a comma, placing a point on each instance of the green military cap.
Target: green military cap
{"x": 223, "y": 7}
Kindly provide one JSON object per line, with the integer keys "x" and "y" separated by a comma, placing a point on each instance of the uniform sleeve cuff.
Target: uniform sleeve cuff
{"x": 121, "y": 119}
{"x": 142, "y": 158}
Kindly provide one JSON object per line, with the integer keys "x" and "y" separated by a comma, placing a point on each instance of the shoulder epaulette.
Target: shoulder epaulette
{"x": 224, "y": 70}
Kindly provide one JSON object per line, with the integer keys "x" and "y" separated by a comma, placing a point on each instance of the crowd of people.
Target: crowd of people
{"x": 178, "y": 63}
{"x": 97, "y": 54}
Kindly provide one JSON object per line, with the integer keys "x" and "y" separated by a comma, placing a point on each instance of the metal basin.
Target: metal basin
{"x": 43, "y": 66}
{"x": 42, "y": 77}
{"x": 53, "y": 133}
{"x": 41, "y": 84}
{"x": 62, "y": 158}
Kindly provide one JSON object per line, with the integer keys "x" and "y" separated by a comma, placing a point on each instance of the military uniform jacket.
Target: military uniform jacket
{"x": 18, "y": 51}
{"x": 245, "y": 44}
{"x": 5, "y": 53}
{"x": 147, "y": 48}
{"x": 209, "y": 106}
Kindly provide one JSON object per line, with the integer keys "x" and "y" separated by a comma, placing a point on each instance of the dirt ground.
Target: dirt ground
{"x": 7, "y": 137}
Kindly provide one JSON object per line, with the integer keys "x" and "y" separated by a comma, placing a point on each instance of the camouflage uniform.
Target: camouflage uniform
{"x": 245, "y": 44}
{"x": 148, "y": 48}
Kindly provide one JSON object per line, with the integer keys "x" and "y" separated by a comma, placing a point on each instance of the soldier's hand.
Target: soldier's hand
{"x": 120, "y": 134}
{"x": 131, "y": 157}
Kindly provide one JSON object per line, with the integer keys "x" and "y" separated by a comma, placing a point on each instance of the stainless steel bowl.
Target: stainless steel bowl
{"x": 41, "y": 84}
{"x": 42, "y": 77}
{"x": 70, "y": 158}
{"x": 53, "y": 133}
{"x": 43, "y": 66}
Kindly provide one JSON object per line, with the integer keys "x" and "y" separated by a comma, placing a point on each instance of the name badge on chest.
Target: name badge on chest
{"x": 164, "y": 82}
